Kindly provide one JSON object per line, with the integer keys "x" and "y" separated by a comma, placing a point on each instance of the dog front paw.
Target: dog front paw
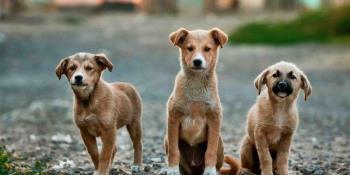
{"x": 99, "y": 172}
{"x": 135, "y": 169}
{"x": 282, "y": 171}
{"x": 210, "y": 171}
{"x": 266, "y": 173}
{"x": 173, "y": 170}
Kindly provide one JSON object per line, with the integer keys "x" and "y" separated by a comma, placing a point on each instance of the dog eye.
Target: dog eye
{"x": 292, "y": 77}
{"x": 207, "y": 49}
{"x": 72, "y": 68}
{"x": 276, "y": 75}
{"x": 88, "y": 68}
{"x": 190, "y": 49}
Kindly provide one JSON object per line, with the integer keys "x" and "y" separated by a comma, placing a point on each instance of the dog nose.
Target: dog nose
{"x": 78, "y": 78}
{"x": 197, "y": 63}
{"x": 282, "y": 85}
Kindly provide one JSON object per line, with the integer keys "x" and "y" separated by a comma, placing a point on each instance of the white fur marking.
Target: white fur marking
{"x": 96, "y": 173}
{"x": 281, "y": 119}
{"x": 81, "y": 54}
{"x": 188, "y": 122}
{"x": 78, "y": 72}
{"x": 210, "y": 171}
{"x": 173, "y": 170}
{"x": 199, "y": 56}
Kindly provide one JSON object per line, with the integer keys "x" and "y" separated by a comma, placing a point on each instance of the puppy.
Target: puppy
{"x": 100, "y": 108}
{"x": 272, "y": 121}
{"x": 193, "y": 141}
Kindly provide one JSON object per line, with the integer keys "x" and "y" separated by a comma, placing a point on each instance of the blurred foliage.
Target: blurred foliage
{"x": 73, "y": 20}
{"x": 323, "y": 25}
{"x": 9, "y": 166}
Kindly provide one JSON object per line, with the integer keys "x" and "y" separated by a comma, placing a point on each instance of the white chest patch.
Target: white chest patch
{"x": 280, "y": 119}
{"x": 188, "y": 122}
{"x": 193, "y": 130}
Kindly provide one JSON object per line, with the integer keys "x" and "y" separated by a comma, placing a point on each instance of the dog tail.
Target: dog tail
{"x": 234, "y": 168}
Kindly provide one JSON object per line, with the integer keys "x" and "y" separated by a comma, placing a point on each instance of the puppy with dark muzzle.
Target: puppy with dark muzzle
{"x": 272, "y": 121}
{"x": 193, "y": 142}
{"x": 100, "y": 108}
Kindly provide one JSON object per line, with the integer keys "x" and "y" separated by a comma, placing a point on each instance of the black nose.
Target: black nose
{"x": 197, "y": 62}
{"x": 282, "y": 85}
{"x": 78, "y": 78}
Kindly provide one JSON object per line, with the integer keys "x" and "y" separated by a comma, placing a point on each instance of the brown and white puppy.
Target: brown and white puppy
{"x": 100, "y": 108}
{"x": 272, "y": 120}
{"x": 193, "y": 141}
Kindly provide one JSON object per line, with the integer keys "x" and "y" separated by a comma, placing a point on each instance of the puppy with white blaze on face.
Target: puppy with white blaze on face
{"x": 101, "y": 108}
{"x": 272, "y": 121}
{"x": 193, "y": 142}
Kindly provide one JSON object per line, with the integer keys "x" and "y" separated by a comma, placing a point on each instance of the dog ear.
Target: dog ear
{"x": 305, "y": 85}
{"x": 219, "y": 36}
{"x": 178, "y": 37}
{"x": 61, "y": 68}
{"x": 103, "y": 61}
{"x": 260, "y": 80}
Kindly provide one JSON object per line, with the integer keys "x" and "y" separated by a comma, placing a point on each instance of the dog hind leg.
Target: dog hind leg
{"x": 135, "y": 132}
{"x": 249, "y": 156}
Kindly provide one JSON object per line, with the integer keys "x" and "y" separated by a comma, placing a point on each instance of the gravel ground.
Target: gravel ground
{"x": 35, "y": 107}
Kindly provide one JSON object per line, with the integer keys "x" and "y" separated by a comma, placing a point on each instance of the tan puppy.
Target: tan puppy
{"x": 193, "y": 142}
{"x": 272, "y": 120}
{"x": 100, "y": 108}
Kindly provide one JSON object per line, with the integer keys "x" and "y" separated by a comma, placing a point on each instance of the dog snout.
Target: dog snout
{"x": 282, "y": 85}
{"x": 78, "y": 78}
{"x": 197, "y": 62}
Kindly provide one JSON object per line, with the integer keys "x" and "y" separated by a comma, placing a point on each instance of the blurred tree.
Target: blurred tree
{"x": 281, "y": 4}
{"x": 9, "y": 8}
{"x": 160, "y": 6}
{"x": 5, "y": 8}
{"x": 209, "y": 6}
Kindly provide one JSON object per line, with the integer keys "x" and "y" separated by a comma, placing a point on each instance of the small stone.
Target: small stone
{"x": 318, "y": 172}
{"x": 135, "y": 169}
{"x": 156, "y": 159}
{"x": 314, "y": 140}
{"x": 60, "y": 138}
{"x": 33, "y": 138}
{"x": 157, "y": 166}
{"x": 147, "y": 168}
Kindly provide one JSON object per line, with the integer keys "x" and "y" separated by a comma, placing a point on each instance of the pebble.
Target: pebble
{"x": 157, "y": 166}
{"x": 156, "y": 159}
{"x": 61, "y": 138}
{"x": 147, "y": 168}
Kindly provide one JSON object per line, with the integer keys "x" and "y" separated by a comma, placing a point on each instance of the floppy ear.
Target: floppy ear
{"x": 260, "y": 80}
{"x": 61, "y": 68}
{"x": 305, "y": 85}
{"x": 102, "y": 60}
{"x": 178, "y": 37}
{"x": 219, "y": 36}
